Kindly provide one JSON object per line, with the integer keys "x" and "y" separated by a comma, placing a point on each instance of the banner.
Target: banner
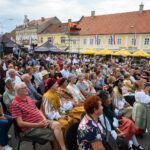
{"x": 112, "y": 37}
{"x": 134, "y": 42}
{"x": 96, "y": 39}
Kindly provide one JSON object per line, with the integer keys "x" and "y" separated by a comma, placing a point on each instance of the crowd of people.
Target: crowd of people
{"x": 46, "y": 94}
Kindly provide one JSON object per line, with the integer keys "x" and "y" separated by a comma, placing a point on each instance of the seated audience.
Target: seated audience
{"x": 52, "y": 106}
{"x": 5, "y": 123}
{"x": 76, "y": 93}
{"x": 123, "y": 127}
{"x": 32, "y": 92}
{"x": 13, "y": 76}
{"x": 9, "y": 93}
{"x": 142, "y": 98}
{"x": 74, "y": 109}
{"x": 28, "y": 117}
{"x": 89, "y": 132}
{"x": 119, "y": 101}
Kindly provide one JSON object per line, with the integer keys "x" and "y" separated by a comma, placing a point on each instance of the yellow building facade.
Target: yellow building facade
{"x": 121, "y": 41}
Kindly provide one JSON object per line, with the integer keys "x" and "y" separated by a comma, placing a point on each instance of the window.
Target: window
{"x": 74, "y": 41}
{"x": 50, "y": 39}
{"x": 62, "y": 40}
{"x": 146, "y": 41}
{"x": 98, "y": 41}
{"x": 91, "y": 41}
{"x": 110, "y": 41}
{"x": 119, "y": 41}
{"x": 132, "y": 41}
{"x": 84, "y": 41}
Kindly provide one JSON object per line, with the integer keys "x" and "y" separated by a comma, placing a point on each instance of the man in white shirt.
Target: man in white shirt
{"x": 12, "y": 75}
{"x": 65, "y": 72}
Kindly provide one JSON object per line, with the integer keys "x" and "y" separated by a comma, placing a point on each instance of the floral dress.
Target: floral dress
{"x": 88, "y": 132}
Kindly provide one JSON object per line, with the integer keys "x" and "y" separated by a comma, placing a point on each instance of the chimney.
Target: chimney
{"x": 141, "y": 6}
{"x": 92, "y": 14}
{"x": 69, "y": 20}
{"x": 42, "y": 19}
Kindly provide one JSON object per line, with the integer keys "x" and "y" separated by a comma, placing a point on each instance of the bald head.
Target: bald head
{"x": 26, "y": 78}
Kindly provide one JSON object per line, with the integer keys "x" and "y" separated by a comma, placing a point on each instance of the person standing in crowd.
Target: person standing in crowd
{"x": 16, "y": 51}
{"x": 28, "y": 117}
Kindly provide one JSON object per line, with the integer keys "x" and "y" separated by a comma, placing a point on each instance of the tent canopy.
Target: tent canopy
{"x": 47, "y": 47}
{"x": 7, "y": 41}
{"x": 104, "y": 52}
{"x": 89, "y": 51}
{"x": 122, "y": 52}
{"x": 140, "y": 53}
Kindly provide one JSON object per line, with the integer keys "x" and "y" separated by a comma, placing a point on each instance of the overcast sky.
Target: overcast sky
{"x": 12, "y": 11}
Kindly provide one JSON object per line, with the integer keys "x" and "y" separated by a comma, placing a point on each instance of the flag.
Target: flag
{"x": 30, "y": 40}
{"x": 134, "y": 42}
{"x": 96, "y": 39}
{"x": 21, "y": 40}
{"x": 52, "y": 39}
{"x": 112, "y": 37}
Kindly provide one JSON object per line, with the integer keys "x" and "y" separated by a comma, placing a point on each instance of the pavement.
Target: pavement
{"x": 144, "y": 142}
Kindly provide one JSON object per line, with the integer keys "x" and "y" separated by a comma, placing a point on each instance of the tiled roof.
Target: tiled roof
{"x": 62, "y": 28}
{"x": 120, "y": 23}
{"x": 38, "y": 22}
{"x": 56, "y": 28}
{"x": 34, "y": 23}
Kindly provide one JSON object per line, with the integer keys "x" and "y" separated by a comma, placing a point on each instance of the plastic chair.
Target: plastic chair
{"x": 71, "y": 137}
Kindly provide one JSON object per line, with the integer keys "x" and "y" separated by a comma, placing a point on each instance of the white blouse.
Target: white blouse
{"x": 141, "y": 97}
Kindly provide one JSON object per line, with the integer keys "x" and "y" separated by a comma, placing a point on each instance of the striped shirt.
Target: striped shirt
{"x": 26, "y": 109}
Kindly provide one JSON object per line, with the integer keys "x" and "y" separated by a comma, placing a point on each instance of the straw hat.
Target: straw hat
{"x": 44, "y": 72}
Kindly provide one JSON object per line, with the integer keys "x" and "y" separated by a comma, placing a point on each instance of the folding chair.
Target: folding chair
{"x": 21, "y": 137}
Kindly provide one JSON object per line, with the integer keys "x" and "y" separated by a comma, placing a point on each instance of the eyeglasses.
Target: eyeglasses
{"x": 22, "y": 88}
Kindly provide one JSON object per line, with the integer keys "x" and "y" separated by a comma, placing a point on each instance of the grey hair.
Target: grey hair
{"x": 71, "y": 77}
{"x": 11, "y": 70}
{"x": 18, "y": 86}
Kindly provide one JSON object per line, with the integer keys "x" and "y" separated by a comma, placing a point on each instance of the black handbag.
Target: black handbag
{"x": 107, "y": 139}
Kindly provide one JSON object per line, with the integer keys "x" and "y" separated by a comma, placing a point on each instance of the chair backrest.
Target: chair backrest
{"x": 71, "y": 137}
{"x": 17, "y": 129}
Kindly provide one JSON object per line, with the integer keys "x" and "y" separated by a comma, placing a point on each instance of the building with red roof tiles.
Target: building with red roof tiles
{"x": 130, "y": 30}
{"x": 27, "y": 33}
{"x": 61, "y": 35}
